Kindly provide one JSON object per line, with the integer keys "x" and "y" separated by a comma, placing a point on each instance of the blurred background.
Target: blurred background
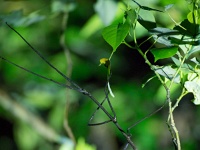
{"x": 33, "y": 110}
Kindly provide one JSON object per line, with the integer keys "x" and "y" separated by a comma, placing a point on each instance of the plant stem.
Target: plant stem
{"x": 68, "y": 74}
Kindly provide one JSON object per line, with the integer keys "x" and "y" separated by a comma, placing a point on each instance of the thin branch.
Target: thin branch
{"x": 43, "y": 58}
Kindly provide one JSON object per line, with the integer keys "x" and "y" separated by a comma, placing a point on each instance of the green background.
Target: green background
{"x": 85, "y": 42}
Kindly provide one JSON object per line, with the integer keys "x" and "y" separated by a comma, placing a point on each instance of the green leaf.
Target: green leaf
{"x": 193, "y": 17}
{"x": 130, "y": 15}
{"x": 115, "y": 34}
{"x": 82, "y": 145}
{"x": 195, "y": 60}
{"x": 161, "y": 53}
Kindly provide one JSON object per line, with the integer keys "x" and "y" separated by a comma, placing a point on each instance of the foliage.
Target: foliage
{"x": 179, "y": 42}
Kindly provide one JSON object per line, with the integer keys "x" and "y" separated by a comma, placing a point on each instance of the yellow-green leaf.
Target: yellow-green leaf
{"x": 115, "y": 34}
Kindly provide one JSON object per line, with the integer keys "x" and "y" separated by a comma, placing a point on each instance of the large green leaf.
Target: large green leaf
{"x": 161, "y": 53}
{"x": 115, "y": 34}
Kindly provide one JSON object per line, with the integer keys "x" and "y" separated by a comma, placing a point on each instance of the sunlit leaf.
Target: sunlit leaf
{"x": 115, "y": 34}
{"x": 82, "y": 145}
{"x": 106, "y": 10}
{"x": 194, "y": 88}
{"x": 161, "y": 53}
{"x": 194, "y": 50}
{"x": 195, "y": 61}
{"x": 193, "y": 17}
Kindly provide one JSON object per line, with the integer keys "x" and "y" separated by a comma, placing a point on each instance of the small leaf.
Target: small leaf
{"x": 193, "y": 87}
{"x": 195, "y": 61}
{"x": 161, "y": 53}
{"x": 115, "y": 34}
{"x": 82, "y": 145}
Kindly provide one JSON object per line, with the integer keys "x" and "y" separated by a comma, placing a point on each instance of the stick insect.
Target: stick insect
{"x": 73, "y": 86}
